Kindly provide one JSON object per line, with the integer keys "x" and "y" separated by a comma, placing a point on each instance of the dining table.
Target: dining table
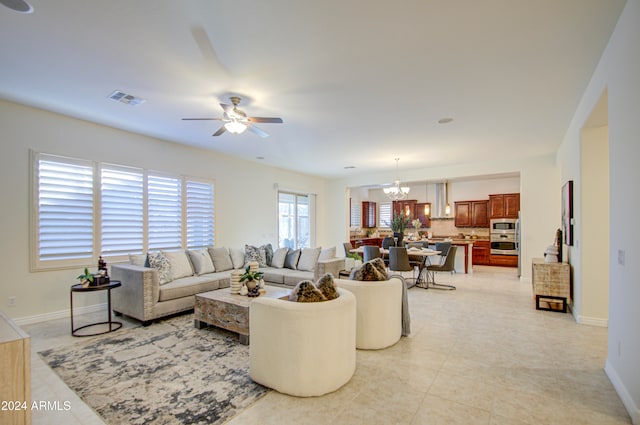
{"x": 420, "y": 255}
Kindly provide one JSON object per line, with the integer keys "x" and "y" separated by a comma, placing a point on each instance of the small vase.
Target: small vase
{"x": 251, "y": 284}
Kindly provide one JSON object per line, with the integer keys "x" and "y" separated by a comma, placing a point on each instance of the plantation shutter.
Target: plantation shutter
{"x": 356, "y": 214}
{"x": 384, "y": 214}
{"x": 165, "y": 213}
{"x": 199, "y": 214}
{"x": 65, "y": 208}
{"x": 122, "y": 192}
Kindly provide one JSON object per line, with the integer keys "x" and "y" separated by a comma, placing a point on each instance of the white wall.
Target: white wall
{"x": 618, "y": 72}
{"x": 25, "y": 128}
{"x": 539, "y": 198}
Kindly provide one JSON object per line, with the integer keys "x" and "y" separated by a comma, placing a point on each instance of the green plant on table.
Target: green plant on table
{"x": 251, "y": 276}
{"x": 399, "y": 222}
{"x": 354, "y": 255}
{"x": 86, "y": 278}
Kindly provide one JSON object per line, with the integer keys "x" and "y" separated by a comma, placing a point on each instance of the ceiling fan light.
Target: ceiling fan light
{"x": 235, "y": 127}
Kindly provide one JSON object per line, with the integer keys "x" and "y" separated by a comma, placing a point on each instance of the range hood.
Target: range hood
{"x": 438, "y": 211}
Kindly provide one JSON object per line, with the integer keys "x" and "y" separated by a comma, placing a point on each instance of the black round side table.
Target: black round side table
{"x": 113, "y": 326}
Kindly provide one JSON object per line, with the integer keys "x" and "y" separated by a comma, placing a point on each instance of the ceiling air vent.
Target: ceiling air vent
{"x": 127, "y": 99}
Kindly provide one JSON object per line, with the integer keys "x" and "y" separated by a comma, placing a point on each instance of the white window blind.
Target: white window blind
{"x": 199, "y": 214}
{"x": 356, "y": 214}
{"x": 64, "y": 208}
{"x": 164, "y": 212}
{"x": 122, "y": 210}
{"x": 384, "y": 214}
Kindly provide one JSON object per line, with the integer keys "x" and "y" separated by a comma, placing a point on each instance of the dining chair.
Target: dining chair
{"x": 371, "y": 252}
{"x": 387, "y": 242}
{"x": 447, "y": 266}
{"x": 443, "y": 247}
{"x": 399, "y": 262}
{"x": 347, "y": 248}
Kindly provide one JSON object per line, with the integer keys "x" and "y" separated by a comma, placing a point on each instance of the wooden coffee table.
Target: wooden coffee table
{"x": 229, "y": 311}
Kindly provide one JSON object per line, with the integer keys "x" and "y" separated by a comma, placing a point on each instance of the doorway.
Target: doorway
{"x": 595, "y": 222}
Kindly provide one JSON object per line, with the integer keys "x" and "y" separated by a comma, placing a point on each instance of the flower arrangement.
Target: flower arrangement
{"x": 416, "y": 223}
{"x": 252, "y": 279}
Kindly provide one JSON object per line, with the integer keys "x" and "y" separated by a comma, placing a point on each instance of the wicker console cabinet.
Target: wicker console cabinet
{"x": 15, "y": 374}
{"x": 551, "y": 284}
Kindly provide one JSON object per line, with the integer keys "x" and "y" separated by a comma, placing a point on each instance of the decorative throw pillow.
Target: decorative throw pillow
{"x": 201, "y": 261}
{"x": 327, "y": 254}
{"x": 253, "y": 253}
{"x": 291, "y": 261}
{"x": 308, "y": 259}
{"x": 237, "y": 257}
{"x": 221, "y": 259}
{"x": 368, "y": 272}
{"x": 180, "y": 264}
{"x": 139, "y": 260}
{"x": 278, "y": 257}
{"x": 379, "y": 264}
{"x": 158, "y": 261}
{"x": 268, "y": 253}
{"x": 328, "y": 287}
{"x": 306, "y": 292}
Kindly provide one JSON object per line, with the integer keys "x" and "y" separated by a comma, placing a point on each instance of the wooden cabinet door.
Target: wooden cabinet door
{"x": 511, "y": 205}
{"x": 425, "y": 219}
{"x": 496, "y": 206}
{"x": 463, "y": 214}
{"x": 481, "y": 253}
{"x": 480, "y": 213}
{"x": 368, "y": 214}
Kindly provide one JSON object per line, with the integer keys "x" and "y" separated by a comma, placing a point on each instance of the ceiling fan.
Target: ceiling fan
{"x": 237, "y": 121}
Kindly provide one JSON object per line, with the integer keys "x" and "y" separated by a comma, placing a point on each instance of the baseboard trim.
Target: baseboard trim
{"x": 593, "y": 321}
{"x": 61, "y": 314}
{"x": 624, "y": 395}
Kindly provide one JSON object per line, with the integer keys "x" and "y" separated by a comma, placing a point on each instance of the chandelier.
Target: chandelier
{"x": 396, "y": 192}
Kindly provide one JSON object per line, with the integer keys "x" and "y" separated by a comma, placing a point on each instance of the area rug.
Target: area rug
{"x": 167, "y": 373}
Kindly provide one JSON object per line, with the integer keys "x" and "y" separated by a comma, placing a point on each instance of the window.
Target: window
{"x": 356, "y": 214}
{"x": 84, "y": 209}
{"x": 199, "y": 214}
{"x": 64, "y": 209}
{"x": 294, "y": 220}
{"x": 165, "y": 213}
{"x": 122, "y": 191}
{"x": 384, "y": 214}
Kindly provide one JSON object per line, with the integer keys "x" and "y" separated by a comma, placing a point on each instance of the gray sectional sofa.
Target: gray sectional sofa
{"x": 147, "y": 293}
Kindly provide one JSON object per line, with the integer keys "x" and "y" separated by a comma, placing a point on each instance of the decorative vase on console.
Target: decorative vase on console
{"x": 251, "y": 278}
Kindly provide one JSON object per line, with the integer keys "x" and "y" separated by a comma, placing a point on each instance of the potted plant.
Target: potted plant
{"x": 252, "y": 279}
{"x": 398, "y": 224}
{"x": 352, "y": 260}
{"x": 86, "y": 279}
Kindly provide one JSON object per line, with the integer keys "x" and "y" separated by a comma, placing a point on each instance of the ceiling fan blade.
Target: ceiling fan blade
{"x": 256, "y": 130}
{"x": 227, "y": 108}
{"x": 220, "y": 131}
{"x": 202, "y": 119}
{"x": 265, "y": 120}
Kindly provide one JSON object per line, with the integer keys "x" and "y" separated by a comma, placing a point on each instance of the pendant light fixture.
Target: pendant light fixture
{"x": 396, "y": 192}
{"x": 447, "y": 209}
{"x": 427, "y": 209}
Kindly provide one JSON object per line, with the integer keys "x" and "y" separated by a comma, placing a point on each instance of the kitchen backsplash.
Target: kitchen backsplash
{"x": 438, "y": 228}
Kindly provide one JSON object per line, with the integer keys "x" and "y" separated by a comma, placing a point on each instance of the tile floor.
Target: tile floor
{"x": 478, "y": 355}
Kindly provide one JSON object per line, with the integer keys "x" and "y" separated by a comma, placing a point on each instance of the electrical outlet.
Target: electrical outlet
{"x": 12, "y": 301}
{"x": 621, "y": 255}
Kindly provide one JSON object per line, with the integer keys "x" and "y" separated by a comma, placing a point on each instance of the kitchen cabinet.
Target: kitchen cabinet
{"x": 481, "y": 254}
{"x": 506, "y": 205}
{"x": 407, "y": 207}
{"x": 368, "y": 214}
{"x": 471, "y": 214}
{"x": 425, "y": 219}
{"x": 503, "y": 260}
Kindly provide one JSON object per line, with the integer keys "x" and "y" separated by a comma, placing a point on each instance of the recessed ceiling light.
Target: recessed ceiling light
{"x": 445, "y": 120}
{"x": 259, "y": 157}
{"x": 18, "y": 5}
{"x": 349, "y": 167}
